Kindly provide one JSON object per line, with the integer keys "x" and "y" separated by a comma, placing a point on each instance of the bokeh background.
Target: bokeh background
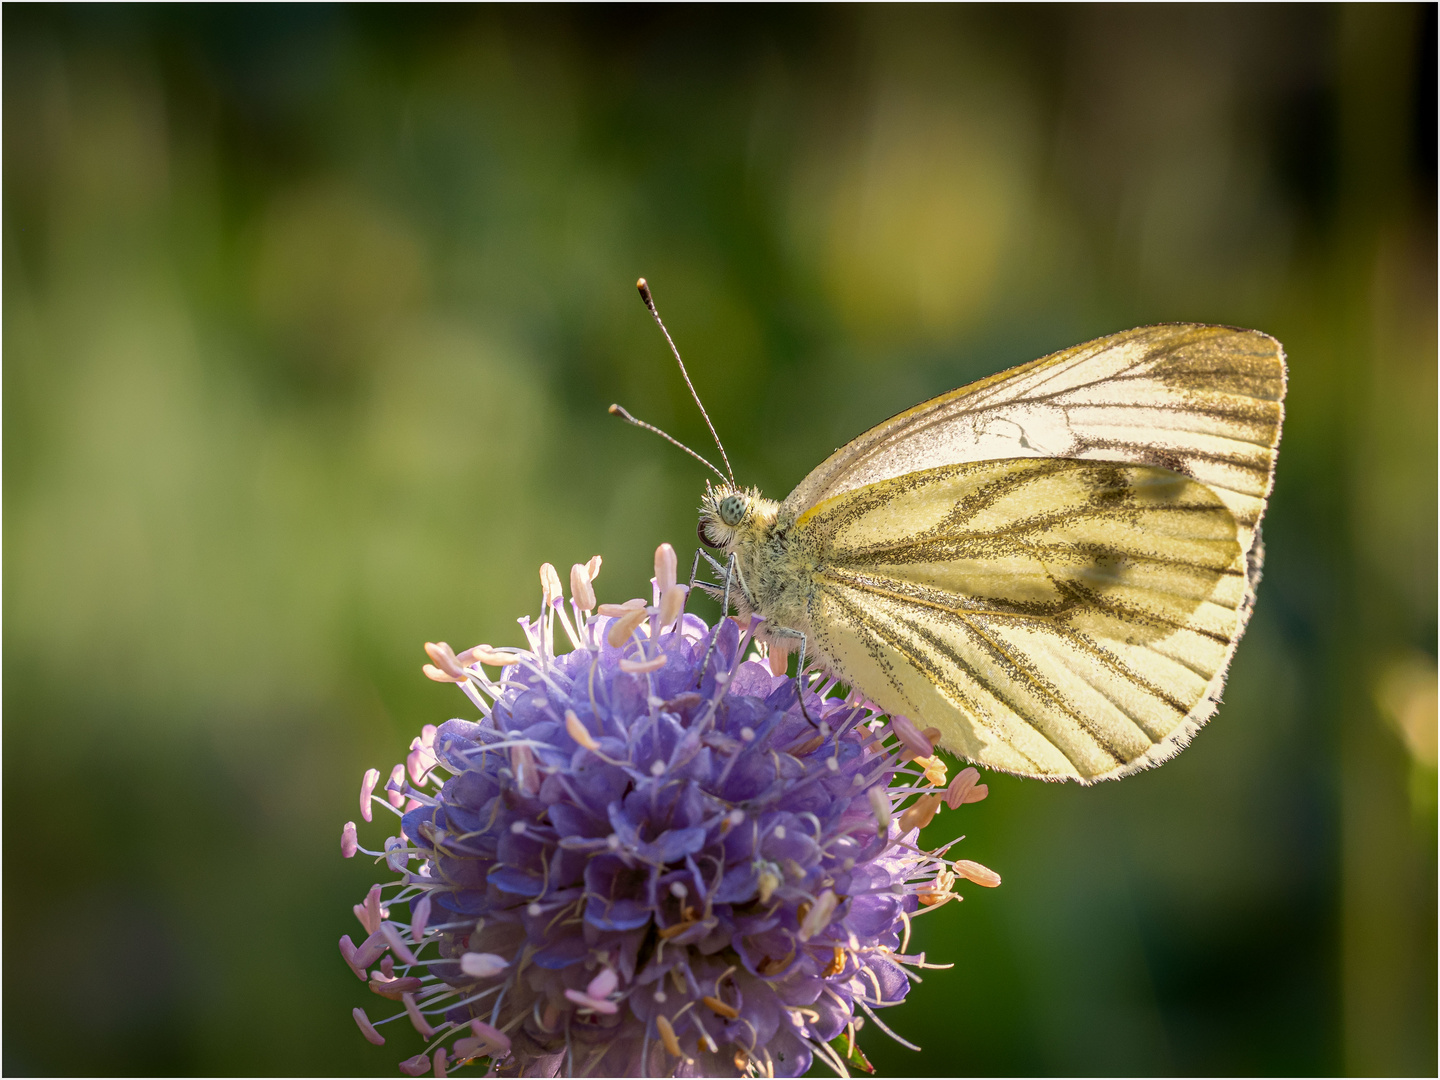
{"x": 311, "y": 316}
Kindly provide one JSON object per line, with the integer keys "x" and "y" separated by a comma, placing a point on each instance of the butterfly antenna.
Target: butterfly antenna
{"x": 616, "y": 410}
{"x": 650, "y": 304}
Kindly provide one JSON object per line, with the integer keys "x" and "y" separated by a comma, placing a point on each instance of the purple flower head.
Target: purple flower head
{"x": 645, "y": 858}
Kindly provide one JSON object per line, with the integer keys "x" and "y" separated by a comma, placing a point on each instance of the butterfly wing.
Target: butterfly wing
{"x": 1052, "y": 617}
{"x": 1202, "y": 401}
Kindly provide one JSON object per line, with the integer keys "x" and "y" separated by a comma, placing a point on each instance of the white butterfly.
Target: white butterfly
{"x": 1051, "y": 566}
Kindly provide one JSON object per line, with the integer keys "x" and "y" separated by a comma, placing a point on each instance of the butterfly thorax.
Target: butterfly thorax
{"x": 745, "y": 524}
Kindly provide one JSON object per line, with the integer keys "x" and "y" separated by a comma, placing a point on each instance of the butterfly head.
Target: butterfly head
{"x": 730, "y": 515}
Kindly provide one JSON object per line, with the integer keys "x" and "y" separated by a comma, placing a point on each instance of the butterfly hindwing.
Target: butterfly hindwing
{"x": 1052, "y": 617}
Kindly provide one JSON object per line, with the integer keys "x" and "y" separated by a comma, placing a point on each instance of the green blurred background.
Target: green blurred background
{"x": 311, "y": 316}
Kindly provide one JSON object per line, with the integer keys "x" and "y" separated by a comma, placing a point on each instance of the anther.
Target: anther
{"x": 622, "y": 628}
{"x": 447, "y": 667}
{"x": 418, "y": 1065}
{"x": 349, "y": 951}
{"x": 921, "y": 813}
{"x": 367, "y": 788}
{"x": 366, "y": 1028}
{"x": 980, "y": 875}
{"x": 965, "y": 788}
{"x": 667, "y": 565}
{"x": 370, "y": 913}
{"x": 672, "y": 603}
{"x": 581, "y": 588}
{"x": 662, "y": 1025}
{"x": 550, "y": 585}
{"x": 915, "y": 744}
{"x": 484, "y": 654}
{"x": 493, "y": 1038}
{"x": 720, "y": 1008}
{"x": 818, "y": 917}
{"x": 397, "y": 943}
{"x": 349, "y": 842}
{"x": 769, "y": 881}
{"x": 643, "y": 667}
{"x": 482, "y": 965}
{"x": 420, "y": 918}
{"x": 880, "y": 805}
{"x": 417, "y": 1018}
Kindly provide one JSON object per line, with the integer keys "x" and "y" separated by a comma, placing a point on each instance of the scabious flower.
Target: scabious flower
{"x": 646, "y": 857}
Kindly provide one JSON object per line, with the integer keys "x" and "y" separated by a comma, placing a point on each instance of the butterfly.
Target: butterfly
{"x": 1051, "y": 566}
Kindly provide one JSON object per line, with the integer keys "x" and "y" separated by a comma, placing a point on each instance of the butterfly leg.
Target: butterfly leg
{"x": 786, "y": 632}
{"x": 728, "y": 571}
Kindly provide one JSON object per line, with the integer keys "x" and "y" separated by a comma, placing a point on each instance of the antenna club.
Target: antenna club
{"x": 615, "y": 410}
{"x": 644, "y": 288}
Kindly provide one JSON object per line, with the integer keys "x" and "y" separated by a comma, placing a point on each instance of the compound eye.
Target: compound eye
{"x": 704, "y": 535}
{"x": 731, "y": 510}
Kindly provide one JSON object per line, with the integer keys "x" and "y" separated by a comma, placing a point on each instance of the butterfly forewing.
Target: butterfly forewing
{"x": 1202, "y": 401}
{"x": 1052, "y": 617}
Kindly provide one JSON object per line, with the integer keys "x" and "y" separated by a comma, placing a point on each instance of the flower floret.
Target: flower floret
{"x": 644, "y": 857}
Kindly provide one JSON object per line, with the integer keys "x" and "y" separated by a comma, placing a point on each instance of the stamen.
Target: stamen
{"x": 603, "y": 984}
{"x": 440, "y": 1063}
{"x": 599, "y": 1005}
{"x": 621, "y": 629}
{"x": 818, "y": 917}
{"x": 910, "y": 738}
{"x": 370, "y": 950}
{"x": 421, "y": 918}
{"x": 667, "y": 1036}
{"x": 667, "y": 566}
{"x": 366, "y": 1028}
{"x": 371, "y": 913}
{"x": 720, "y": 1008}
{"x": 644, "y": 667}
{"x": 581, "y": 588}
{"x": 397, "y": 944}
{"x": 367, "y": 788}
{"x": 484, "y": 654}
{"x": 973, "y": 871}
{"x": 348, "y": 950}
{"x": 672, "y": 603}
{"x": 493, "y": 1038}
{"x": 921, "y": 814}
{"x": 393, "y": 988}
{"x": 578, "y": 731}
{"x": 349, "y": 842}
{"x": 418, "y": 1065}
{"x": 779, "y": 655}
{"x": 550, "y": 588}
{"x": 880, "y": 805}
{"x": 447, "y": 667}
{"x": 935, "y": 770}
{"x": 965, "y": 788}
{"x": 481, "y": 965}
{"x": 417, "y": 1018}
